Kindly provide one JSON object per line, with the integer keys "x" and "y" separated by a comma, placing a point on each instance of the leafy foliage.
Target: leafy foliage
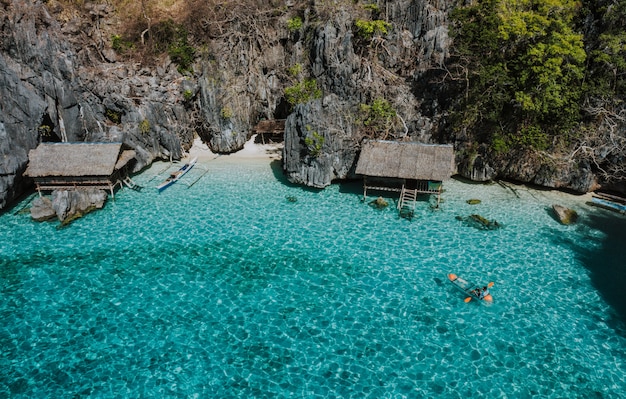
{"x": 367, "y": 29}
{"x": 144, "y": 127}
{"x": 188, "y": 95}
{"x": 314, "y": 143}
{"x": 120, "y": 45}
{"x": 173, "y": 38}
{"x": 295, "y": 70}
{"x": 377, "y": 117}
{"x": 608, "y": 58}
{"x": 294, "y": 24}
{"x": 373, "y": 7}
{"x": 227, "y": 112}
{"x": 525, "y": 66}
{"x": 303, "y": 92}
{"x": 113, "y": 116}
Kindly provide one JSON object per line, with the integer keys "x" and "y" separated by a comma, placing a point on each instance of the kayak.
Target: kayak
{"x": 469, "y": 288}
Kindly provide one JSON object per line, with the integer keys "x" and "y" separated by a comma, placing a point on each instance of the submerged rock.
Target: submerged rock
{"x": 480, "y": 222}
{"x": 565, "y": 215}
{"x": 379, "y": 203}
{"x": 407, "y": 213}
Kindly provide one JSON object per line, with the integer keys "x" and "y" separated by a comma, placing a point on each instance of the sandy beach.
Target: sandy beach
{"x": 250, "y": 151}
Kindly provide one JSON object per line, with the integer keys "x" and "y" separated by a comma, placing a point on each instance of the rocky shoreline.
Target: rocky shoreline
{"x": 62, "y": 80}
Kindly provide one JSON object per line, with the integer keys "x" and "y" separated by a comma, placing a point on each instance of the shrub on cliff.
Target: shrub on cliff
{"x": 303, "y": 92}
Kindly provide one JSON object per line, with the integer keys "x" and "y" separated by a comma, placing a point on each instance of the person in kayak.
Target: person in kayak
{"x": 480, "y": 293}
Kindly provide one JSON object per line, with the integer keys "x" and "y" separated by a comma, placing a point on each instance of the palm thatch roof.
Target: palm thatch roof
{"x": 406, "y": 160}
{"x": 77, "y": 159}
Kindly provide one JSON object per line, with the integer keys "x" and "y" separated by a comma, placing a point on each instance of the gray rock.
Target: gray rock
{"x": 63, "y": 74}
{"x": 317, "y": 122}
{"x": 71, "y": 204}
{"x": 42, "y": 210}
{"x": 565, "y": 215}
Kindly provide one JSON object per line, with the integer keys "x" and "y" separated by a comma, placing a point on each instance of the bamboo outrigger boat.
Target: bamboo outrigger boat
{"x": 175, "y": 176}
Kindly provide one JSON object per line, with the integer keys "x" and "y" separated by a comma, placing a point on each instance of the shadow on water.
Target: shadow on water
{"x": 607, "y": 262}
{"x": 552, "y": 214}
{"x": 21, "y": 204}
{"x": 277, "y": 171}
{"x": 350, "y": 187}
{"x": 354, "y": 187}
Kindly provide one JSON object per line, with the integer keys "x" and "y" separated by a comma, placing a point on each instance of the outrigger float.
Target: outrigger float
{"x": 610, "y": 202}
{"x": 475, "y": 291}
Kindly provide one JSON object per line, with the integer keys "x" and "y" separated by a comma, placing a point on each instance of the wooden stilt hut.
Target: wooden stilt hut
{"x": 270, "y": 131}
{"x": 409, "y": 168}
{"x": 67, "y": 166}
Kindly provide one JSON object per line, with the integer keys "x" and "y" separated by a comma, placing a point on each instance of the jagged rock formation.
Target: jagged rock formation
{"x": 332, "y": 151}
{"x": 352, "y": 72}
{"x": 69, "y": 205}
{"x": 529, "y": 167}
{"x": 41, "y": 209}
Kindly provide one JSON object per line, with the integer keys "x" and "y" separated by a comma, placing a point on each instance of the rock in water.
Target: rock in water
{"x": 42, "y": 210}
{"x": 379, "y": 203}
{"x": 479, "y": 222}
{"x": 484, "y": 223}
{"x": 565, "y": 215}
{"x": 72, "y": 204}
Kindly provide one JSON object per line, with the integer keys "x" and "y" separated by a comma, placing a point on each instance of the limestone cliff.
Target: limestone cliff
{"x": 56, "y": 84}
{"x": 98, "y": 71}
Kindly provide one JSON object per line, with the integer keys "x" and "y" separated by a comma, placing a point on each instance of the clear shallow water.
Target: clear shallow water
{"x": 227, "y": 289}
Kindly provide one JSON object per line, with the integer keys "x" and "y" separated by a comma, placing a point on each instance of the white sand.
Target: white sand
{"x": 250, "y": 150}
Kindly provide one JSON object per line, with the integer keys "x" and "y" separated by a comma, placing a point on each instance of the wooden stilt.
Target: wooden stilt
{"x": 364, "y": 189}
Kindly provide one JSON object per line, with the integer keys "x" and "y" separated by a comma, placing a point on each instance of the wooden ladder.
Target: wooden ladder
{"x": 407, "y": 200}
{"x": 131, "y": 184}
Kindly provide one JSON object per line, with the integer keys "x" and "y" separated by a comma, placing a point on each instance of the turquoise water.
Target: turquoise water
{"x": 228, "y": 289}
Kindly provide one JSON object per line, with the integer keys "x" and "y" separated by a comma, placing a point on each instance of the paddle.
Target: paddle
{"x": 469, "y": 298}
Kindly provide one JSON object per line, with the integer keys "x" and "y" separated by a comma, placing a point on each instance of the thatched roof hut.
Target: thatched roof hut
{"x": 406, "y": 160}
{"x": 406, "y": 167}
{"x": 69, "y": 165}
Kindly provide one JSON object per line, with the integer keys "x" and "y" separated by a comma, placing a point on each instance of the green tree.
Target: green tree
{"x": 548, "y": 56}
{"x": 607, "y": 74}
{"x": 367, "y": 29}
{"x": 524, "y": 66}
